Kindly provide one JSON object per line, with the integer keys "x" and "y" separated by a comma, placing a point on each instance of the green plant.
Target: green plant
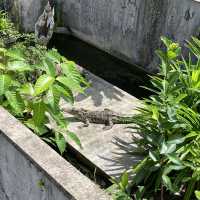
{"x": 9, "y": 36}
{"x": 167, "y": 127}
{"x": 8, "y": 33}
{"x": 5, "y": 23}
{"x": 120, "y": 190}
{"x": 32, "y": 92}
{"x": 33, "y": 80}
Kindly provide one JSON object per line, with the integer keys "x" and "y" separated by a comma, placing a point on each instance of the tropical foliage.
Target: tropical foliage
{"x": 33, "y": 80}
{"x": 167, "y": 129}
{"x": 8, "y": 33}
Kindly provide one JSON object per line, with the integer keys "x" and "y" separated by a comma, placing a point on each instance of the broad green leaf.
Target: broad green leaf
{"x": 195, "y": 75}
{"x": 171, "y": 112}
{"x": 15, "y": 101}
{"x": 197, "y": 194}
{"x": 49, "y": 67}
{"x": 154, "y": 156}
{"x": 124, "y": 180}
{"x": 54, "y": 56}
{"x": 53, "y": 97}
{"x": 167, "y": 148}
{"x": 39, "y": 130}
{"x": 43, "y": 83}
{"x": 70, "y": 83}
{"x": 176, "y": 139}
{"x": 167, "y": 182}
{"x": 69, "y": 69}
{"x": 155, "y": 113}
{"x": 172, "y": 167}
{"x": 16, "y": 54}
{"x": 27, "y": 89}
{"x": 5, "y": 82}
{"x": 2, "y": 66}
{"x": 174, "y": 159}
{"x": 171, "y": 54}
{"x": 163, "y": 149}
{"x": 74, "y": 137}
{"x": 65, "y": 92}
{"x": 39, "y": 113}
{"x": 171, "y": 148}
{"x": 61, "y": 143}
{"x": 59, "y": 118}
{"x": 18, "y": 66}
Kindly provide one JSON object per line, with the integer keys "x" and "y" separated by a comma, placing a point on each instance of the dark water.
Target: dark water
{"x": 125, "y": 76}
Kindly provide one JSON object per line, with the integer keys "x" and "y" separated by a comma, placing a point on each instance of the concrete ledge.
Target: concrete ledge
{"x": 107, "y": 150}
{"x": 31, "y": 170}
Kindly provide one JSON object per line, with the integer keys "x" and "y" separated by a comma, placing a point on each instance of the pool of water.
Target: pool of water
{"x": 127, "y": 77}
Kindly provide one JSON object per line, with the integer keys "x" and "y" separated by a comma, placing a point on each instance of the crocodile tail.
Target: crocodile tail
{"x": 125, "y": 120}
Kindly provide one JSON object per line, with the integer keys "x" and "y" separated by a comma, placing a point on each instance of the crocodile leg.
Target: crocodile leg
{"x": 109, "y": 125}
{"x": 86, "y": 123}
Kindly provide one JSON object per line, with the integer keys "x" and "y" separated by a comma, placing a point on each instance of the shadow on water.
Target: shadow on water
{"x": 127, "y": 77}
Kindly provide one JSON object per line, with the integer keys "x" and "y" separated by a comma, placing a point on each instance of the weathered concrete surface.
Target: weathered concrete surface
{"x": 128, "y": 29}
{"x": 31, "y": 170}
{"x": 131, "y": 29}
{"x": 25, "y": 13}
{"x": 107, "y": 150}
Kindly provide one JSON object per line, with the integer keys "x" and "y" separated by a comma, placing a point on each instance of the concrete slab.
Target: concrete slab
{"x": 31, "y": 170}
{"x": 107, "y": 150}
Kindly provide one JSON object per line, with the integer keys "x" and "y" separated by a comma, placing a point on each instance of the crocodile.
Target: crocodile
{"x": 106, "y": 116}
{"x": 44, "y": 27}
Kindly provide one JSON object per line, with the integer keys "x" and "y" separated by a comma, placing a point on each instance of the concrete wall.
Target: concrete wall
{"x": 31, "y": 170}
{"x": 128, "y": 29}
{"x": 25, "y": 13}
{"x": 20, "y": 179}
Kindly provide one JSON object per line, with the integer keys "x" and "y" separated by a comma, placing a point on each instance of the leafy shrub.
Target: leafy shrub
{"x": 120, "y": 190}
{"x": 33, "y": 80}
{"x": 10, "y": 36}
{"x": 8, "y": 33}
{"x": 167, "y": 128}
